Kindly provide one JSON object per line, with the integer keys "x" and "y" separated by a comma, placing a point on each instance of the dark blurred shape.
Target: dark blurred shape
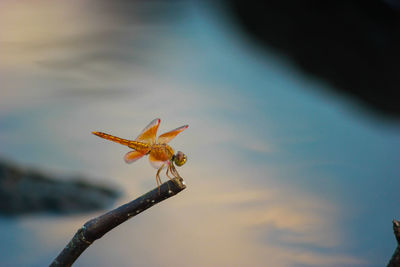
{"x": 393, "y": 3}
{"x": 355, "y": 45}
{"x": 27, "y": 192}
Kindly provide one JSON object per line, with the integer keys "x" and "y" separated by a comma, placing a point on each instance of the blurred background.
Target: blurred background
{"x": 293, "y": 139}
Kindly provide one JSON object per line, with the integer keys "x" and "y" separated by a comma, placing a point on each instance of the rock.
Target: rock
{"x": 29, "y": 191}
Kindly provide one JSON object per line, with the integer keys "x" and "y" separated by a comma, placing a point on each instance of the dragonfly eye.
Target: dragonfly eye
{"x": 180, "y": 158}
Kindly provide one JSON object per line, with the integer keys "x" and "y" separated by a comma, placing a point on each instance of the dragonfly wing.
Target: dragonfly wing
{"x": 168, "y": 136}
{"x": 148, "y": 135}
{"x": 133, "y": 156}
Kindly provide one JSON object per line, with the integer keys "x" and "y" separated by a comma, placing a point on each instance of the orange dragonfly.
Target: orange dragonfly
{"x": 160, "y": 153}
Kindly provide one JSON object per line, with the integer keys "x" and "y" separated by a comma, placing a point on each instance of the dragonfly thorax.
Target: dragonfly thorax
{"x": 162, "y": 152}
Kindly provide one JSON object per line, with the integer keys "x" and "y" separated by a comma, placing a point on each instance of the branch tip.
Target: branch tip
{"x": 99, "y": 226}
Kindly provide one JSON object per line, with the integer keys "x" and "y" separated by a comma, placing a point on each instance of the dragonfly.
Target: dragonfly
{"x": 160, "y": 154}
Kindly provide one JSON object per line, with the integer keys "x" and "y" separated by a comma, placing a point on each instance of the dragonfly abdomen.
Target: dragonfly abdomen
{"x": 139, "y": 146}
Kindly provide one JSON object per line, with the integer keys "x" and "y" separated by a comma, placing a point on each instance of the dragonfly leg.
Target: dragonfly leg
{"x": 158, "y": 179}
{"x": 159, "y": 182}
{"x": 174, "y": 171}
{"x": 169, "y": 167}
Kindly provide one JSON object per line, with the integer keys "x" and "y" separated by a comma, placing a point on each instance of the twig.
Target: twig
{"x": 97, "y": 227}
{"x": 395, "y": 260}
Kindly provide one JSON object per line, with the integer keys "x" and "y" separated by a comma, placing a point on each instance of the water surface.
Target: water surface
{"x": 278, "y": 174}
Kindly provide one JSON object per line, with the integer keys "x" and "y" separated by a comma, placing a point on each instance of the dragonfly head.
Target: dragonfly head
{"x": 180, "y": 158}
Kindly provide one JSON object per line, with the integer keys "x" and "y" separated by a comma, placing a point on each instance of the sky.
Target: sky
{"x": 279, "y": 171}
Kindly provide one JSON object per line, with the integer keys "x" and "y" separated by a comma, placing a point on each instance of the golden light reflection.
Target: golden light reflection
{"x": 241, "y": 219}
{"x": 29, "y": 28}
{"x": 236, "y": 226}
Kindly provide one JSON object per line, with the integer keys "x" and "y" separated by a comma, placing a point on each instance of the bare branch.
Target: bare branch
{"x": 97, "y": 227}
{"x": 395, "y": 260}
